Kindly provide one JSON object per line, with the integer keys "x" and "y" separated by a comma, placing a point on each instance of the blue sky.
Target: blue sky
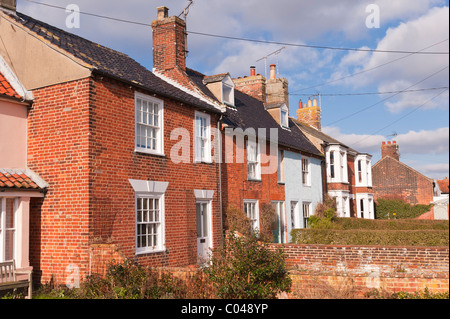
{"x": 419, "y": 120}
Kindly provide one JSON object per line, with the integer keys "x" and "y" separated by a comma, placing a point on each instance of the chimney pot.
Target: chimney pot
{"x": 394, "y": 142}
{"x": 389, "y": 142}
{"x": 314, "y": 102}
{"x": 163, "y": 12}
{"x": 309, "y": 103}
{"x": 300, "y": 104}
{"x": 252, "y": 71}
{"x": 383, "y": 143}
{"x": 272, "y": 71}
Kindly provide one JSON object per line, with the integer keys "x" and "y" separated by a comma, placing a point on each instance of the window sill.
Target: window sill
{"x": 150, "y": 251}
{"x": 254, "y": 180}
{"x": 144, "y": 151}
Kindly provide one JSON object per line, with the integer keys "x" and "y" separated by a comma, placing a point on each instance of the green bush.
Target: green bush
{"x": 245, "y": 269}
{"x": 396, "y": 208}
{"x": 393, "y": 224}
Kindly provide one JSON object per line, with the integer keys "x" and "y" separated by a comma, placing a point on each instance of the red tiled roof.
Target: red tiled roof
{"x": 16, "y": 179}
{"x": 6, "y": 88}
{"x": 443, "y": 185}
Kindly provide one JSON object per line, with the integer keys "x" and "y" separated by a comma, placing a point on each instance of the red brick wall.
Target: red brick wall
{"x": 389, "y": 268}
{"x": 58, "y": 145}
{"x": 237, "y": 187}
{"x": 81, "y": 141}
{"x": 394, "y": 179}
{"x": 114, "y": 162}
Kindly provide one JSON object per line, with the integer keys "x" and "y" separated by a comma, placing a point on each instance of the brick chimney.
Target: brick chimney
{"x": 310, "y": 114}
{"x": 390, "y": 149}
{"x": 277, "y": 88}
{"x": 169, "y": 41}
{"x": 9, "y": 5}
{"x": 253, "y": 85}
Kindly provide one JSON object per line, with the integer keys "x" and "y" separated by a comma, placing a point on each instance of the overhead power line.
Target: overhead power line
{"x": 389, "y": 97}
{"x": 253, "y": 40}
{"x": 400, "y": 118}
{"x": 372, "y": 93}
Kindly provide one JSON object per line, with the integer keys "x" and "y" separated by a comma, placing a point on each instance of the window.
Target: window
{"x": 280, "y": 166}
{"x": 149, "y": 124}
{"x": 360, "y": 174}
{"x": 202, "y": 137}
{"x": 284, "y": 118}
{"x": 253, "y": 161}
{"x": 148, "y": 224}
{"x": 361, "y": 207}
{"x": 305, "y": 172}
{"x": 150, "y": 230}
{"x": 8, "y": 208}
{"x": 251, "y": 210}
{"x": 294, "y": 214}
{"x": 342, "y": 163}
{"x": 202, "y": 219}
{"x": 332, "y": 164}
{"x": 279, "y": 230}
{"x": 306, "y": 206}
{"x": 227, "y": 94}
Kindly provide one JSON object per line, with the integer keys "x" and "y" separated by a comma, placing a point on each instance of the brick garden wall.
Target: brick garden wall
{"x": 366, "y": 267}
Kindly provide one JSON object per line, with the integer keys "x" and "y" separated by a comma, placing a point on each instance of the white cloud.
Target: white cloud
{"x": 413, "y": 35}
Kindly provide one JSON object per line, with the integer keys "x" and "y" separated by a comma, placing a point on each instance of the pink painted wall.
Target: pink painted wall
{"x": 13, "y": 135}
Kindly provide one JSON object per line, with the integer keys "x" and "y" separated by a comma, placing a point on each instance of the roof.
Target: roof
{"x": 393, "y": 160}
{"x": 251, "y": 113}
{"x": 107, "y": 62}
{"x": 21, "y": 179}
{"x": 320, "y": 135}
{"x": 6, "y": 89}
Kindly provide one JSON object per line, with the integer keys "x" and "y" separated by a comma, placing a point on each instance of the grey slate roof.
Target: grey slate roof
{"x": 251, "y": 113}
{"x": 108, "y": 62}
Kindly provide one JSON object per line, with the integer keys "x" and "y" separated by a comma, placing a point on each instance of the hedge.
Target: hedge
{"x": 371, "y": 237}
{"x": 393, "y": 224}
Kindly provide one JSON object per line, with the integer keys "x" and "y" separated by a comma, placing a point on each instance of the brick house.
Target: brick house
{"x": 100, "y": 133}
{"x": 394, "y": 179}
{"x": 348, "y": 173}
{"x": 251, "y": 177}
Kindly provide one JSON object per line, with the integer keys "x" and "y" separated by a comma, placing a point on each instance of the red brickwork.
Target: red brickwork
{"x": 255, "y": 86}
{"x": 389, "y": 268}
{"x": 393, "y": 179}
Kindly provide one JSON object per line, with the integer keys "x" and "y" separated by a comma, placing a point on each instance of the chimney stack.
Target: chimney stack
{"x": 390, "y": 149}
{"x": 253, "y": 85}
{"x": 310, "y": 114}
{"x": 169, "y": 41}
{"x": 277, "y": 88}
{"x": 9, "y": 5}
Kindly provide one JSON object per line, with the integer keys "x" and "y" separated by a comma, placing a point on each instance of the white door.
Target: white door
{"x": 203, "y": 231}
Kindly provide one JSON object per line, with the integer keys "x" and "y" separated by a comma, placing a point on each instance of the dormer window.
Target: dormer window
{"x": 227, "y": 94}
{"x": 284, "y": 116}
{"x": 222, "y": 86}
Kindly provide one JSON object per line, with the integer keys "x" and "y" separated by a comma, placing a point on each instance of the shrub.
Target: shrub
{"x": 245, "y": 269}
{"x": 236, "y": 220}
{"x": 397, "y": 208}
{"x": 372, "y": 237}
{"x": 268, "y": 217}
{"x": 324, "y": 215}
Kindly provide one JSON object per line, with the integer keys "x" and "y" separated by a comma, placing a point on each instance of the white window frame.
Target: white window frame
{"x": 340, "y": 164}
{"x": 255, "y": 220}
{"x": 367, "y": 199}
{"x": 152, "y": 190}
{"x": 158, "y": 127}
{"x": 3, "y": 228}
{"x": 198, "y": 138}
{"x": 253, "y": 174}
{"x": 306, "y": 213}
{"x": 306, "y": 171}
{"x": 159, "y": 225}
{"x": 284, "y": 116}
